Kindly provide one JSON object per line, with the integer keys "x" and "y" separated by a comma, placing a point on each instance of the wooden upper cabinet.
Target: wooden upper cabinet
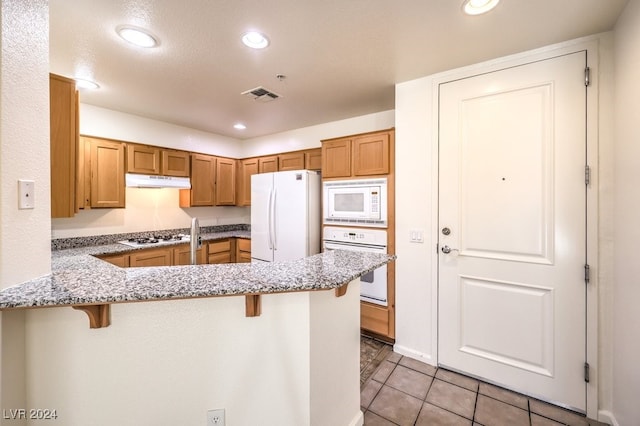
{"x": 203, "y": 173}
{"x": 143, "y": 159}
{"x": 291, "y": 161}
{"x": 106, "y": 168}
{"x": 371, "y": 154}
{"x": 63, "y": 119}
{"x": 336, "y": 158}
{"x": 225, "y": 182}
{"x": 268, "y": 164}
{"x": 313, "y": 159}
{"x": 247, "y": 168}
{"x": 175, "y": 163}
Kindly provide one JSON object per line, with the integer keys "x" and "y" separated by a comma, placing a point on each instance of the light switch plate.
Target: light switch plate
{"x": 416, "y": 236}
{"x": 26, "y": 194}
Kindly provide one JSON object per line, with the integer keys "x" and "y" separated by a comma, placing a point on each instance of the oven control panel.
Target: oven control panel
{"x": 354, "y": 235}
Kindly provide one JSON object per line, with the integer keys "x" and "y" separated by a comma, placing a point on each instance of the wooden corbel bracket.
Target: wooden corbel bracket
{"x": 99, "y": 315}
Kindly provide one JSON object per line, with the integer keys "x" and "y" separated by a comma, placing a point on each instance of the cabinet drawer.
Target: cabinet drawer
{"x": 220, "y": 257}
{"x": 121, "y": 260}
{"x": 244, "y": 244}
{"x": 219, "y": 246}
{"x": 182, "y": 255}
{"x": 374, "y": 318}
{"x": 244, "y": 257}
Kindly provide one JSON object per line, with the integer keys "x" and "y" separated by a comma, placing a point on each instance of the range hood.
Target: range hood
{"x": 153, "y": 181}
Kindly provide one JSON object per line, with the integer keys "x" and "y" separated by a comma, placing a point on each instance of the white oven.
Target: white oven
{"x": 357, "y": 202}
{"x": 373, "y": 285}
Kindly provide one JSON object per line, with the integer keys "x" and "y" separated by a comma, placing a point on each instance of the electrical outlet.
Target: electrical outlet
{"x": 215, "y": 417}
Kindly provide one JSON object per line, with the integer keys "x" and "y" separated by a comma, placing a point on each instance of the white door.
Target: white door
{"x": 512, "y": 217}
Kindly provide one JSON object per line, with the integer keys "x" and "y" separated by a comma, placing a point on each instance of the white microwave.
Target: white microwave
{"x": 357, "y": 202}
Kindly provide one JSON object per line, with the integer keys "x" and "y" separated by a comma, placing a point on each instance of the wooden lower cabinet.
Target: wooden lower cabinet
{"x": 182, "y": 255}
{"x": 121, "y": 260}
{"x": 153, "y": 257}
{"x": 221, "y": 251}
{"x": 228, "y": 250}
{"x": 376, "y": 319}
{"x": 243, "y": 250}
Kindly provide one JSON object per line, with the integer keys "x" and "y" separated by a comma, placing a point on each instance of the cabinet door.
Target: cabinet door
{"x": 63, "y": 106}
{"x": 336, "y": 158}
{"x": 268, "y": 164}
{"x": 154, "y": 257}
{"x": 118, "y": 260}
{"x": 107, "y": 173}
{"x": 243, "y": 250}
{"x": 175, "y": 163}
{"x": 143, "y": 159}
{"x": 203, "y": 169}
{"x": 248, "y": 167}
{"x": 182, "y": 255}
{"x": 291, "y": 161}
{"x": 313, "y": 159}
{"x": 225, "y": 182}
{"x": 371, "y": 154}
{"x": 221, "y": 251}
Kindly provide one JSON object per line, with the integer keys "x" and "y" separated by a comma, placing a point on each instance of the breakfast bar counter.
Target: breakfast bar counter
{"x": 81, "y": 280}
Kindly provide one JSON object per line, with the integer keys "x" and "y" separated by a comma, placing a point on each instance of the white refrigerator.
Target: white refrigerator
{"x": 285, "y": 215}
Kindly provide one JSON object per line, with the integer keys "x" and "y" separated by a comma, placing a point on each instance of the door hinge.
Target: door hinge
{"x": 587, "y": 175}
{"x": 586, "y": 372}
{"x": 587, "y": 76}
{"x": 587, "y": 273}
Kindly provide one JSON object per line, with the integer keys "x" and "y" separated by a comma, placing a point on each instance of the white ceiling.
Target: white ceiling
{"x": 341, "y": 58}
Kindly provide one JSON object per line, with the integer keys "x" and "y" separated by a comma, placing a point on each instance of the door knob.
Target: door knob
{"x": 447, "y": 249}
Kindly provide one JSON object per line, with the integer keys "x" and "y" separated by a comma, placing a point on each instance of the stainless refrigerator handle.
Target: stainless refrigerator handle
{"x": 270, "y": 218}
{"x": 275, "y": 230}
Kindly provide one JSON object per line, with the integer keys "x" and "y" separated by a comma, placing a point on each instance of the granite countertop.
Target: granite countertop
{"x": 80, "y": 278}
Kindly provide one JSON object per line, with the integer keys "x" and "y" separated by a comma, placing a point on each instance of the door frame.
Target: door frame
{"x": 590, "y": 45}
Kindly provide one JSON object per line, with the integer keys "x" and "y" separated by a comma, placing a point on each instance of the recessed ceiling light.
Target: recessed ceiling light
{"x": 255, "y": 40}
{"x": 137, "y": 36}
{"x": 239, "y": 126}
{"x": 81, "y": 83}
{"x": 478, "y": 7}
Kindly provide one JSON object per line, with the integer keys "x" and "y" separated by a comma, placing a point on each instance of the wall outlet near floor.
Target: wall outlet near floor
{"x": 215, "y": 417}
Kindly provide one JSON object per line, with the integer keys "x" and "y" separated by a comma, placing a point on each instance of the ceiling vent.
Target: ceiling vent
{"x": 261, "y": 94}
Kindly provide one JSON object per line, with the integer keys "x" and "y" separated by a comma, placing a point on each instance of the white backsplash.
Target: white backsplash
{"x": 146, "y": 210}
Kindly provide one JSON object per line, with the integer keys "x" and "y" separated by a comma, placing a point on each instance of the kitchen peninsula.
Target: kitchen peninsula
{"x": 282, "y": 367}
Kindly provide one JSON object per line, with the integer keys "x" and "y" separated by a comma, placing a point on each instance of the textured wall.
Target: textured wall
{"x": 24, "y": 154}
{"x": 626, "y": 340}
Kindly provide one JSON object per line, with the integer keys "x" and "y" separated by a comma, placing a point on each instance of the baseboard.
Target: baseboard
{"x": 358, "y": 420}
{"x": 607, "y": 417}
{"x": 403, "y": 350}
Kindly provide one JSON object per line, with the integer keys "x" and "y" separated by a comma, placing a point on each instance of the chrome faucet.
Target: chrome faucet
{"x": 196, "y": 241}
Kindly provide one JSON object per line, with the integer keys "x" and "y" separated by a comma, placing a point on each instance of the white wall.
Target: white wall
{"x": 626, "y": 320}
{"x": 167, "y": 363}
{"x": 310, "y": 137}
{"x": 24, "y": 154}
{"x": 106, "y": 123}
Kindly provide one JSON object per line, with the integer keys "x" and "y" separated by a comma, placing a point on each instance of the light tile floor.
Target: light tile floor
{"x": 403, "y": 391}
